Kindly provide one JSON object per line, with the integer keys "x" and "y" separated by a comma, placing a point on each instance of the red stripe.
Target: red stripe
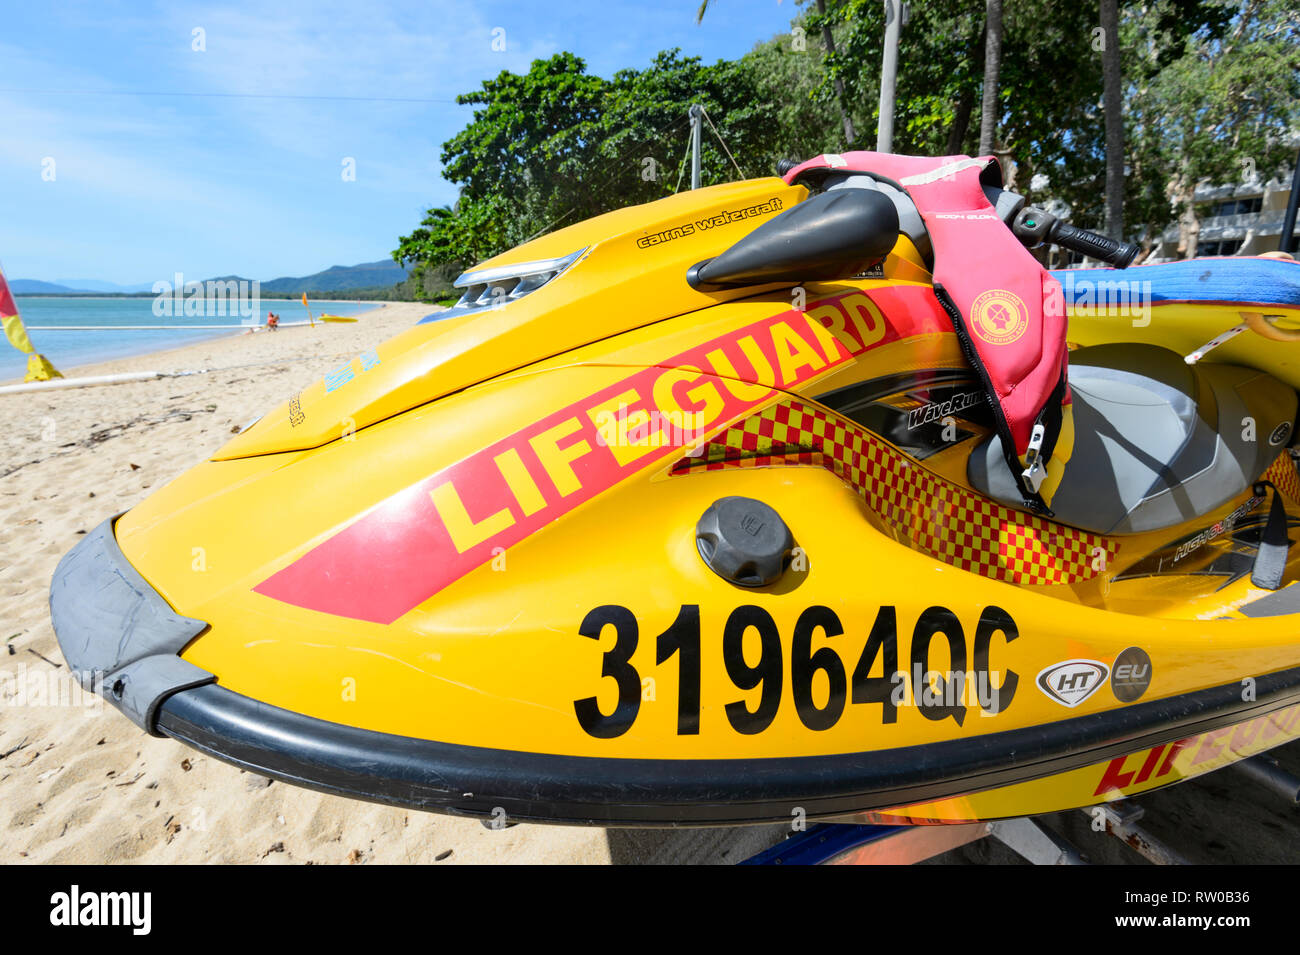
{"x": 401, "y": 553}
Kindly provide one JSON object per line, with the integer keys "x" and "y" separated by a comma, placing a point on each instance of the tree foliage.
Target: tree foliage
{"x": 1049, "y": 119}
{"x": 558, "y": 145}
{"x": 1209, "y": 88}
{"x": 1214, "y": 94}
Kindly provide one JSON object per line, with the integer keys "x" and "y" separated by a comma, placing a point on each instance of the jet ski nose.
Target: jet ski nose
{"x": 118, "y": 634}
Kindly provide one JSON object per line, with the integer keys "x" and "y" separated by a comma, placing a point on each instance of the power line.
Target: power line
{"x": 550, "y": 225}
{"x": 721, "y": 143}
{"x": 681, "y": 170}
{"x": 214, "y": 94}
{"x": 604, "y": 167}
{"x": 657, "y": 135}
{"x": 221, "y": 95}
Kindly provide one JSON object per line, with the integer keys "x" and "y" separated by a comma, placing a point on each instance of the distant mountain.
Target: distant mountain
{"x": 74, "y": 287}
{"x": 341, "y": 277}
{"x": 34, "y": 287}
{"x": 337, "y": 278}
{"x": 98, "y": 285}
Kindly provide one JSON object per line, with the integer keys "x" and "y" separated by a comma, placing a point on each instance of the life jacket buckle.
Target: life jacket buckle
{"x": 1035, "y": 471}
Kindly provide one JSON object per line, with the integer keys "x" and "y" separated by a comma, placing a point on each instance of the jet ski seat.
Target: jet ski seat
{"x": 1156, "y": 441}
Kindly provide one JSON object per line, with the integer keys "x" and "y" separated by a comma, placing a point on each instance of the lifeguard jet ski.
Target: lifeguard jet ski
{"x": 813, "y": 494}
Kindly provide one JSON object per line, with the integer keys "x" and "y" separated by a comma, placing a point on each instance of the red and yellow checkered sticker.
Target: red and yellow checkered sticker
{"x": 924, "y": 511}
{"x": 1282, "y": 474}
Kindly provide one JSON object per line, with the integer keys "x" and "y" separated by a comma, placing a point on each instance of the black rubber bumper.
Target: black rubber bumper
{"x": 466, "y": 780}
{"x": 119, "y": 636}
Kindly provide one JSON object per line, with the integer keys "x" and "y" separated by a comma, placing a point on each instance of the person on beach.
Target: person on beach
{"x": 272, "y": 321}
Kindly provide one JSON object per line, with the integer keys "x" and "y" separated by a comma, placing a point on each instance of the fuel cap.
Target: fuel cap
{"x": 744, "y": 541}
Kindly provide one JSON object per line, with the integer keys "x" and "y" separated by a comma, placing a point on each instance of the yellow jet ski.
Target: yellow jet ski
{"x": 695, "y": 513}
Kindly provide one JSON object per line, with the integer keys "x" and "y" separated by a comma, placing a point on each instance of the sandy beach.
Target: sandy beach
{"x": 80, "y": 783}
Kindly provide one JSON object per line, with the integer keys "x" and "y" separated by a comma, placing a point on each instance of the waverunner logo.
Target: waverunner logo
{"x": 999, "y": 316}
{"x": 1072, "y": 682}
{"x": 937, "y": 410}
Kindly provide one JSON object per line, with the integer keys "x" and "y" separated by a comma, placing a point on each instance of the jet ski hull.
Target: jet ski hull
{"x": 1037, "y": 768}
{"x": 476, "y": 582}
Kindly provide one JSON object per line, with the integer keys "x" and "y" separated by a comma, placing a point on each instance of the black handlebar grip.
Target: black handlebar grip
{"x": 1118, "y": 254}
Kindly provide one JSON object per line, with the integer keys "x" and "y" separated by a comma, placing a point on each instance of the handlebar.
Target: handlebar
{"x": 1031, "y": 226}
{"x": 1034, "y": 226}
{"x": 1118, "y": 254}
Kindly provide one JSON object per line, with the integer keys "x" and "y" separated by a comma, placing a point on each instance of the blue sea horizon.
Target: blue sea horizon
{"x": 68, "y": 349}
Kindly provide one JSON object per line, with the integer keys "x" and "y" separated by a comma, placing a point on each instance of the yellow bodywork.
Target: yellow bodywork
{"x": 496, "y": 659}
{"x": 618, "y": 285}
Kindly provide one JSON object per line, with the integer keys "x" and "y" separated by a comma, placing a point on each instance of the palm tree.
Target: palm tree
{"x": 992, "y": 63}
{"x": 829, "y": 40}
{"x": 966, "y": 98}
{"x": 1111, "y": 80}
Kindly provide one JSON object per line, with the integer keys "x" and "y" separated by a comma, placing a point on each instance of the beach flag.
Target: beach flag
{"x": 308, "y": 307}
{"x": 38, "y": 366}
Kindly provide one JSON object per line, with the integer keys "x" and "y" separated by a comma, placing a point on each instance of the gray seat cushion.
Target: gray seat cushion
{"x": 1156, "y": 441}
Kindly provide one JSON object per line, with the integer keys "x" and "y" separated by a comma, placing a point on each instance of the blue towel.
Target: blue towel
{"x": 1245, "y": 280}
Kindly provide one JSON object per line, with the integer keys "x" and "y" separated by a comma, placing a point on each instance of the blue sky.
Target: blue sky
{"x": 147, "y": 185}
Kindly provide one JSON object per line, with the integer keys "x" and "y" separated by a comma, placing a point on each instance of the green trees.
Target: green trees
{"x": 1212, "y": 93}
{"x": 449, "y": 240}
{"x": 558, "y": 145}
{"x": 1194, "y": 90}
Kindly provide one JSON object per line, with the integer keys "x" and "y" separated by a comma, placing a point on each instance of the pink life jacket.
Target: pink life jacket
{"x": 1007, "y": 310}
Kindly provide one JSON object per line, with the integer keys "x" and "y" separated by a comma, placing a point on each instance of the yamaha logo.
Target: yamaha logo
{"x": 1072, "y": 682}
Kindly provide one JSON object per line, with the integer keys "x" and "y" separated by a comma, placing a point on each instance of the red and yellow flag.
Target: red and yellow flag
{"x": 38, "y": 366}
{"x": 308, "y": 307}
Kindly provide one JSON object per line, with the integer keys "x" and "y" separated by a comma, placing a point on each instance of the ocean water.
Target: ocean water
{"x": 67, "y": 349}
